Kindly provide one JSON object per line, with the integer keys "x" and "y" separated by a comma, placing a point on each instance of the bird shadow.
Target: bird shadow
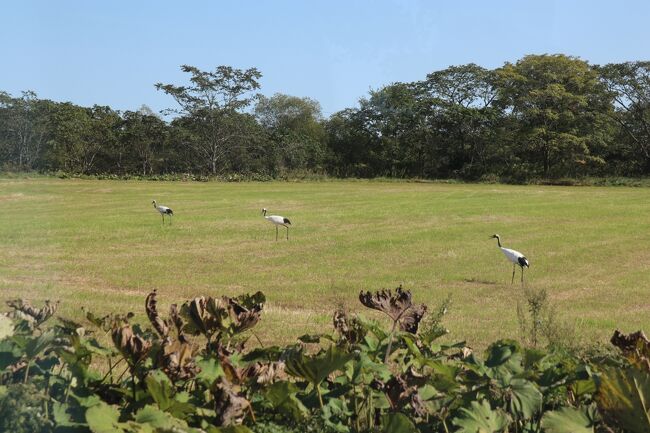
{"x": 479, "y": 281}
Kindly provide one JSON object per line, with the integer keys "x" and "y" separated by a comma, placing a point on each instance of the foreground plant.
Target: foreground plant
{"x": 191, "y": 371}
{"x": 399, "y": 307}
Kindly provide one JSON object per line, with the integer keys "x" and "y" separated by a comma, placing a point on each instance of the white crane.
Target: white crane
{"x": 164, "y": 210}
{"x": 278, "y": 221}
{"x": 515, "y": 257}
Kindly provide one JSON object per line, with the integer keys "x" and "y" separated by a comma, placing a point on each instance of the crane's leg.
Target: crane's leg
{"x": 276, "y": 233}
{"x": 287, "y": 232}
{"x": 163, "y": 218}
{"x": 522, "y": 276}
{"x": 513, "y": 274}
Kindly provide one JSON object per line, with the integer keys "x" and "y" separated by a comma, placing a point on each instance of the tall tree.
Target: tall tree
{"x": 295, "y": 126}
{"x": 558, "y": 103}
{"x": 24, "y": 128}
{"x": 144, "y": 134}
{"x": 81, "y": 136}
{"x": 461, "y": 118}
{"x": 629, "y": 84}
{"x": 210, "y": 104}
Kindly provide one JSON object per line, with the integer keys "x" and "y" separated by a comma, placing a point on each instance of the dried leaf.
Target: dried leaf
{"x": 245, "y": 311}
{"x": 398, "y": 306}
{"x": 350, "y": 329}
{"x": 265, "y": 373}
{"x": 132, "y": 346}
{"x": 199, "y": 319}
{"x": 635, "y": 347}
{"x": 160, "y": 325}
{"x": 25, "y": 310}
{"x": 178, "y": 323}
{"x": 410, "y": 320}
{"x": 229, "y": 405}
{"x": 384, "y": 300}
{"x": 403, "y": 389}
{"x": 177, "y": 361}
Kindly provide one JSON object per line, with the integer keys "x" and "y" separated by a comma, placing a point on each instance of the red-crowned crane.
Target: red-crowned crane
{"x": 164, "y": 210}
{"x": 278, "y": 221}
{"x": 515, "y": 257}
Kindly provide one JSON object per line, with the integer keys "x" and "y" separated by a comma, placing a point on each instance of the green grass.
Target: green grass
{"x": 100, "y": 245}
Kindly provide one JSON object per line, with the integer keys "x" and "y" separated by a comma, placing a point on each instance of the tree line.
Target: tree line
{"x": 544, "y": 116}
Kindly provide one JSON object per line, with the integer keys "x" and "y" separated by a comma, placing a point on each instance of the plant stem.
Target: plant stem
{"x": 320, "y": 397}
{"x": 258, "y": 339}
{"x": 390, "y": 341}
{"x": 133, "y": 385}
{"x": 356, "y": 410}
{"x": 250, "y": 409}
{"x": 26, "y": 372}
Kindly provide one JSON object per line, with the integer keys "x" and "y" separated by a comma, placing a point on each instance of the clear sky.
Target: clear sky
{"x": 112, "y": 52}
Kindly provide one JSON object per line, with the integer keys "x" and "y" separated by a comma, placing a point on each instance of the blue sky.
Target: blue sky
{"x": 112, "y": 52}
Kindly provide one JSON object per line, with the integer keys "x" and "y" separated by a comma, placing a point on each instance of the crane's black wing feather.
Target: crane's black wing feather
{"x": 286, "y": 221}
{"x": 523, "y": 261}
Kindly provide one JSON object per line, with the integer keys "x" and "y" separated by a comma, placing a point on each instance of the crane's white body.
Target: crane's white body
{"x": 278, "y": 221}
{"x": 164, "y": 210}
{"x": 514, "y": 257}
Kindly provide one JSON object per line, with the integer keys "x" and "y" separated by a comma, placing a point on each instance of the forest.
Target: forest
{"x": 547, "y": 116}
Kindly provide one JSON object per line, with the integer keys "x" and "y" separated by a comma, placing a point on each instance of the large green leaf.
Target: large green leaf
{"x": 397, "y": 423}
{"x": 568, "y": 420}
{"x": 103, "y": 418}
{"x": 282, "y": 395}
{"x": 160, "y": 389}
{"x": 526, "y": 399}
{"x": 480, "y": 418}
{"x": 504, "y": 359}
{"x": 363, "y": 370}
{"x": 154, "y": 417}
{"x": 37, "y": 345}
{"x": 211, "y": 370}
{"x": 315, "y": 369}
{"x": 582, "y": 387}
{"x": 62, "y": 418}
{"x": 624, "y": 397}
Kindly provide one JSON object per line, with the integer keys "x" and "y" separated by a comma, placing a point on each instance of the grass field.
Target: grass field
{"x": 101, "y": 245}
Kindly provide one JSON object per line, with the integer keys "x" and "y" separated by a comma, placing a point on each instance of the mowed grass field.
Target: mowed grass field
{"x": 100, "y": 245}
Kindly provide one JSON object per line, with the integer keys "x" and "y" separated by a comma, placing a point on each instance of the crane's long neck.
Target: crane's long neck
{"x": 499, "y": 242}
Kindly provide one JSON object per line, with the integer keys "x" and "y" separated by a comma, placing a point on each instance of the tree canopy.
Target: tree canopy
{"x": 543, "y": 116}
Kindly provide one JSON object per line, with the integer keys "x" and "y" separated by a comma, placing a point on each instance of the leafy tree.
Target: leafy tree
{"x": 462, "y": 118}
{"x": 209, "y": 105}
{"x": 295, "y": 126}
{"x": 24, "y": 128}
{"x": 558, "y": 103}
{"x": 629, "y": 84}
{"x": 144, "y": 133}
{"x": 392, "y": 115}
{"x": 82, "y": 136}
{"x": 348, "y": 143}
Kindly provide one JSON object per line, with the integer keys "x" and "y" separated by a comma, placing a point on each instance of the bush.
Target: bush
{"x": 189, "y": 371}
